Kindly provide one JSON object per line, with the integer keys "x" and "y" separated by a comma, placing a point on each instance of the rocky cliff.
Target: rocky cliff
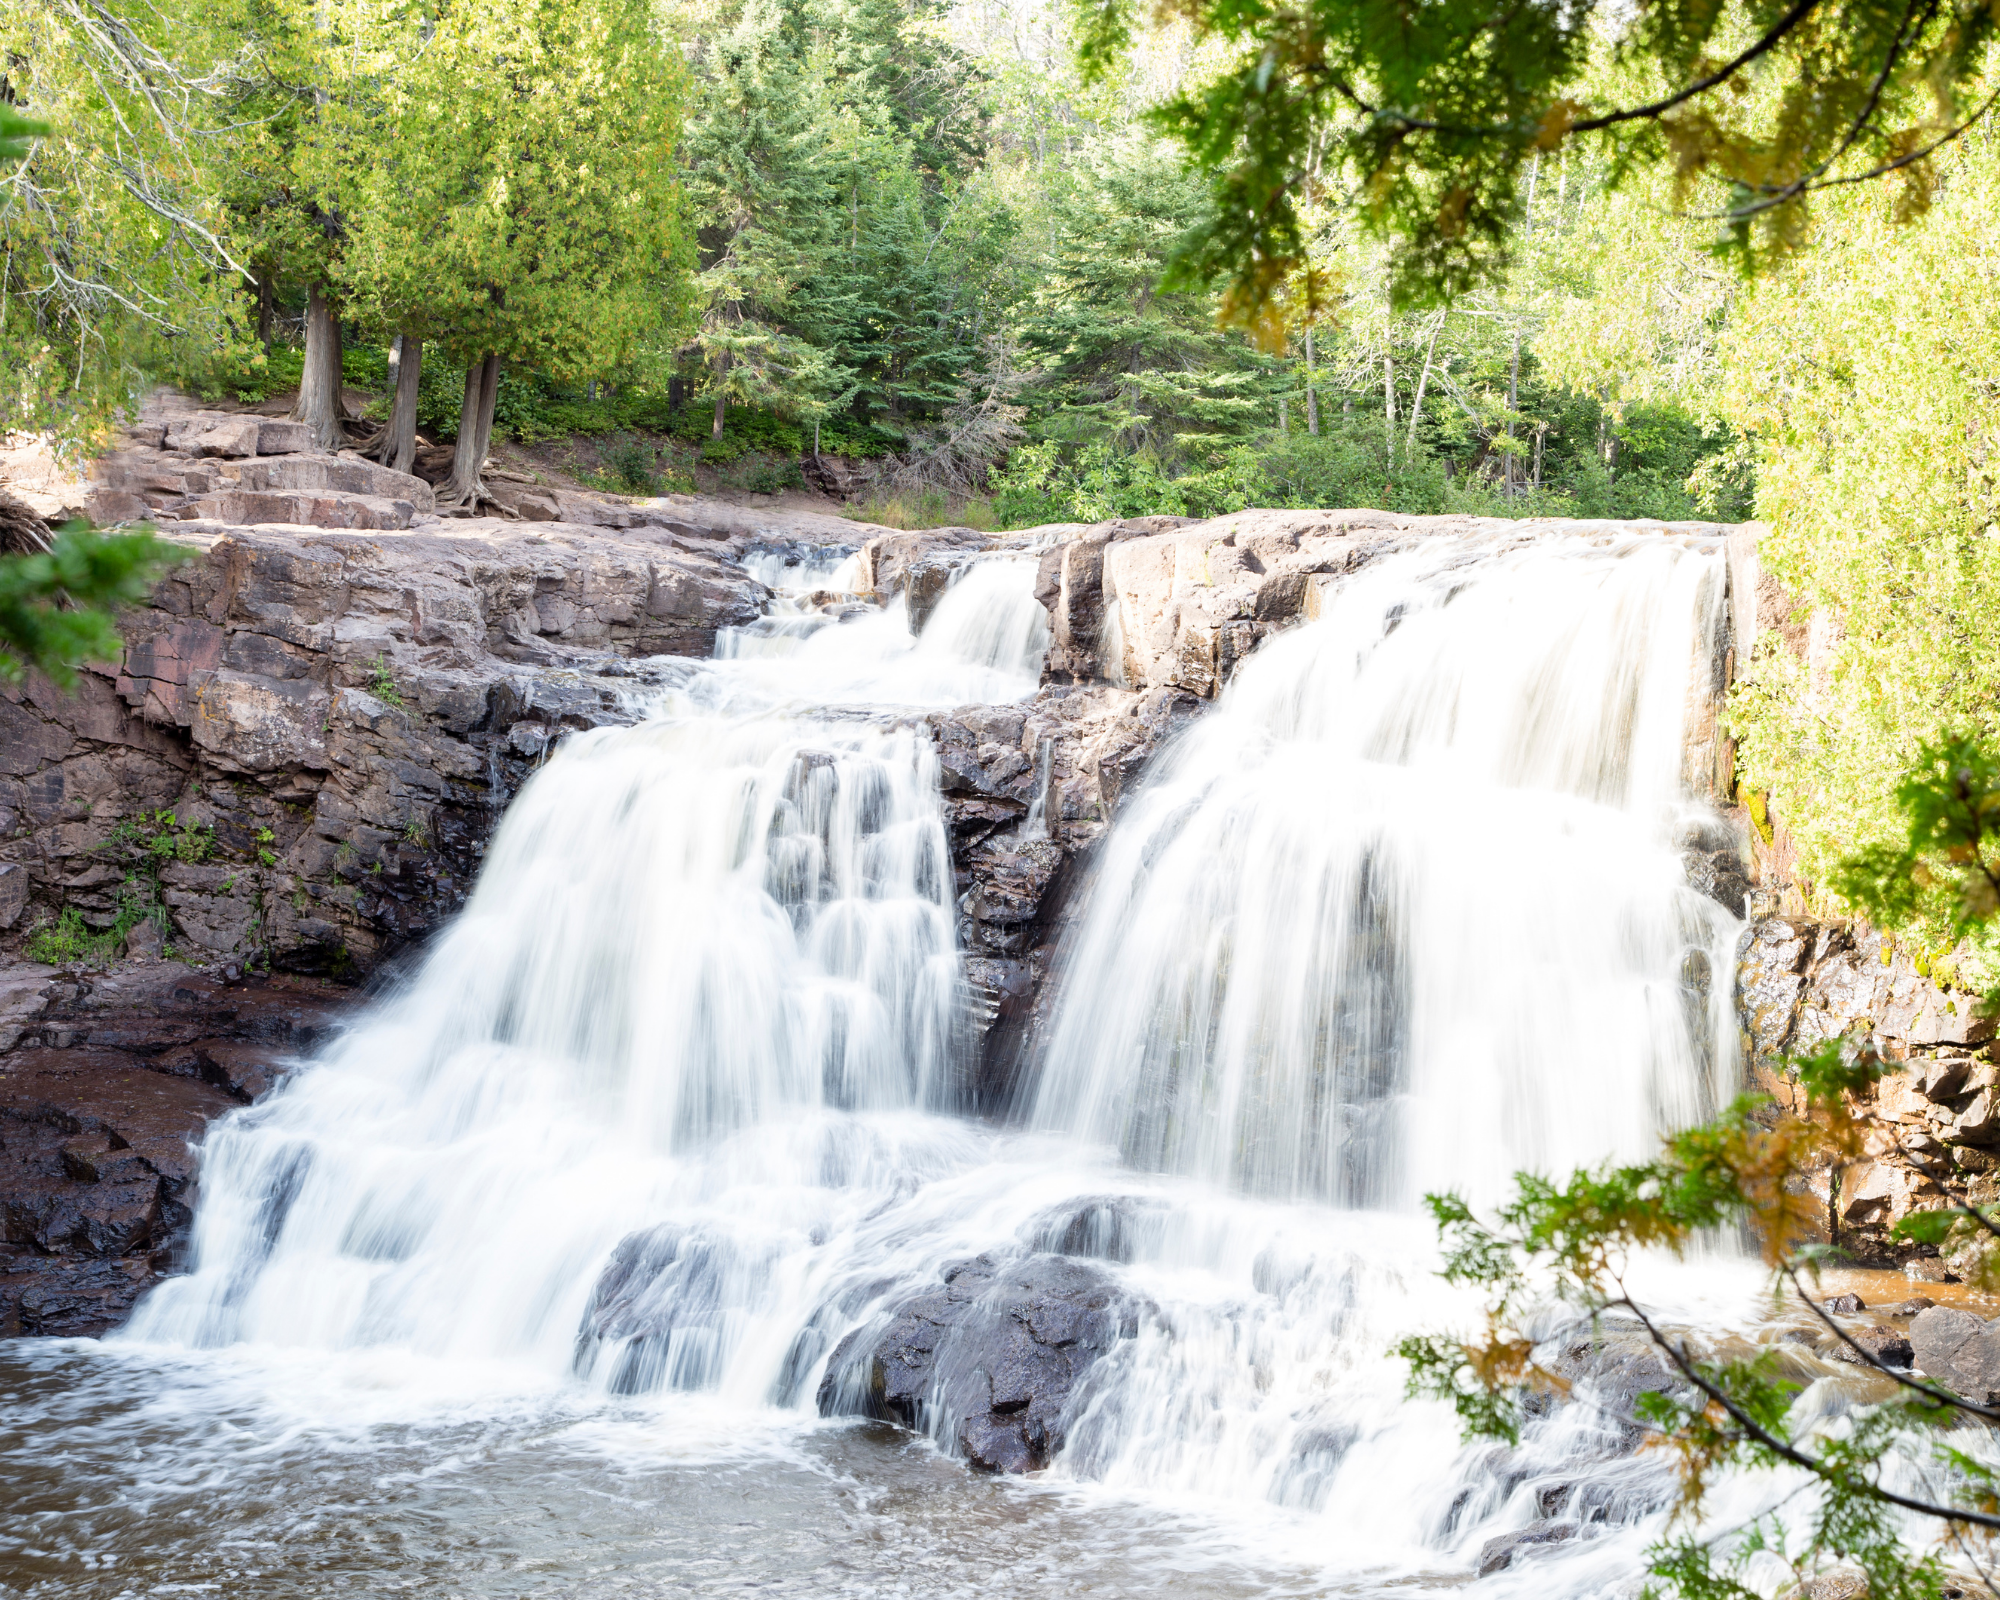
{"x": 1933, "y": 1122}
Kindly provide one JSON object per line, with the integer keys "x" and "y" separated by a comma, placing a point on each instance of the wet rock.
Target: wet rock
{"x": 1846, "y": 1305}
{"x": 1959, "y": 1351}
{"x": 1712, "y": 858}
{"x": 111, "y": 1081}
{"x": 1497, "y": 1555}
{"x": 1912, "y": 1306}
{"x": 993, "y": 1358}
{"x": 885, "y": 561}
{"x": 1100, "y": 1228}
{"x": 1885, "y": 1346}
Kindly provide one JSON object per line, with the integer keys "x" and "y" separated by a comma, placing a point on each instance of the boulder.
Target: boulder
{"x": 1958, "y": 1350}
{"x": 234, "y": 438}
{"x": 1497, "y": 1555}
{"x": 885, "y": 558}
{"x": 276, "y": 437}
{"x": 184, "y": 429}
{"x": 346, "y": 474}
{"x": 994, "y": 1358}
{"x": 1885, "y": 1346}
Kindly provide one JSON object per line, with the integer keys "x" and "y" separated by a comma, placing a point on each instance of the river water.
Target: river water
{"x": 1405, "y": 911}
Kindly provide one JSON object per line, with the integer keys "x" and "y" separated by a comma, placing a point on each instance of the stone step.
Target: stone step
{"x": 323, "y": 508}
{"x": 147, "y": 477}
{"x": 344, "y": 474}
{"x": 276, "y": 437}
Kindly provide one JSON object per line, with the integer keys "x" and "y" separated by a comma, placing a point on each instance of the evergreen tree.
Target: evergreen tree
{"x": 523, "y": 205}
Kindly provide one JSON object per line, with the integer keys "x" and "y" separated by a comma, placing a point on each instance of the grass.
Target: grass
{"x": 927, "y": 509}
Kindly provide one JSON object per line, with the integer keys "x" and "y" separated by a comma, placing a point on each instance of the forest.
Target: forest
{"x": 912, "y": 238}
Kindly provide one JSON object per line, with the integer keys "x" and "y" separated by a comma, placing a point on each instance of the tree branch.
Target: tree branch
{"x": 1783, "y": 1448}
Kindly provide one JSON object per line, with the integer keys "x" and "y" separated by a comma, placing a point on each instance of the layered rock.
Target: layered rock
{"x": 1933, "y": 1121}
{"x": 1181, "y": 605}
{"x": 106, "y": 1081}
{"x": 311, "y": 734}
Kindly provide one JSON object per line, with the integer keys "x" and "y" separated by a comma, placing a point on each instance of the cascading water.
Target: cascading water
{"x": 1408, "y": 912}
{"x": 673, "y": 1107}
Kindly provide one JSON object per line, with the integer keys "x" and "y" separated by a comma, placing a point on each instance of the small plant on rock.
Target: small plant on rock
{"x": 381, "y": 685}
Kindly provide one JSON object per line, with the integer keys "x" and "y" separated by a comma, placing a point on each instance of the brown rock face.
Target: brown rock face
{"x": 311, "y": 734}
{"x": 106, "y": 1082}
{"x": 1934, "y": 1135}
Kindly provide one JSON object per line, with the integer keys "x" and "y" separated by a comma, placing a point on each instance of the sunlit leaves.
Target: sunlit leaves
{"x": 1426, "y": 125}
{"x": 56, "y": 606}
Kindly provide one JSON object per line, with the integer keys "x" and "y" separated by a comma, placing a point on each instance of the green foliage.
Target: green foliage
{"x": 114, "y": 247}
{"x": 632, "y": 465}
{"x": 1946, "y": 868}
{"x": 17, "y": 133}
{"x": 70, "y": 941}
{"x": 382, "y": 684}
{"x": 521, "y": 193}
{"x": 56, "y": 607}
{"x": 1864, "y": 373}
{"x": 1434, "y": 128}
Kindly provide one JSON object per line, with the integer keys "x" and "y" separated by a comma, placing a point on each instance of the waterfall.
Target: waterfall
{"x": 980, "y": 618}
{"x": 733, "y": 916}
{"x": 673, "y": 1108}
{"x": 1407, "y": 912}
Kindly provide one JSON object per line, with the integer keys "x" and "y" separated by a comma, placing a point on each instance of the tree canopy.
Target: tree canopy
{"x": 1427, "y": 125}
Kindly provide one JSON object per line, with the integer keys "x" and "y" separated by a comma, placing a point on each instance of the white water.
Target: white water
{"x": 1404, "y": 909}
{"x": 1407, "y": 913}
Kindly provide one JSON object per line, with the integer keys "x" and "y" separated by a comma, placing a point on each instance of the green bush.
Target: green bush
{"x": 632, "y": 465}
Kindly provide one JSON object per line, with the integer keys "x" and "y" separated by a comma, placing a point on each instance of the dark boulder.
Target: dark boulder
{"x": 994, "y": 1354}
{"x": 108, "y": 1081}
{"x": 1959, "y": 1351}
{"x": 1885, "y": 1346}
{"x": 1497, "y": 1555}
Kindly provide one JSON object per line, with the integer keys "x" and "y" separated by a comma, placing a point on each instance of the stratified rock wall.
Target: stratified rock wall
{"x": 332, "y": 722}
{"x": 1934, "y": 1122}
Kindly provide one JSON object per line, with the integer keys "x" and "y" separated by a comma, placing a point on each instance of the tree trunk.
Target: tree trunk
{"x": 1389, "y": 404}
{"x": 1284, "y": 415}
{"x": 1513, "y": 405}
{"x": 319, "y": 406}
{"x": 1312, "y": 390}
{"x": 1423, "y": 383}
{"x": 264, "y": 310}
{"x": 398, "y": 445}
{"x": 475, "y": 430}
{"x": 721, "y": 395}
